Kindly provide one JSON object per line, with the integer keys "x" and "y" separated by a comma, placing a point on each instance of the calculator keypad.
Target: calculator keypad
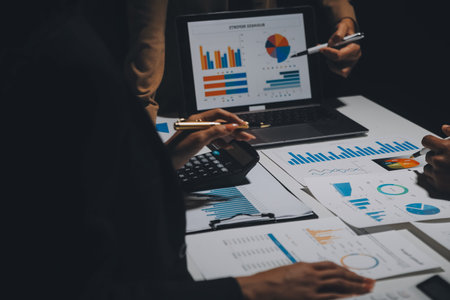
{"x": 204, "y": 166}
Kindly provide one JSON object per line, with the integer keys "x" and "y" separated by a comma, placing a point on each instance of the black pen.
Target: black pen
{"x": 346, "y": 40}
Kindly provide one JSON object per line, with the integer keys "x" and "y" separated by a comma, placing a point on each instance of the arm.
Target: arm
{"x": 342, "y": 14}
{"x": 144, "y": 65}
{"x": 437, "y": 172}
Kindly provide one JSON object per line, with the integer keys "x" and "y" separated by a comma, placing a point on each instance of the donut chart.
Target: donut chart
{"x": 277, "y": 46}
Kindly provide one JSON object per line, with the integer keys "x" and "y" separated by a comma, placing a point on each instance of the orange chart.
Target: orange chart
{"x": 277, "y": 46}
{"x": 323, "y": 237}
{"x": 401, "y": 163}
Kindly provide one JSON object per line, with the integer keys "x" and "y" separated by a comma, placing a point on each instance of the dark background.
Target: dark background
{"x": 405, "y": 63}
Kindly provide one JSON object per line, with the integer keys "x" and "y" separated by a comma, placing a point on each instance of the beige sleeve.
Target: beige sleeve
{"x": 339, "y": 9}
{"x": 144, "y": 65}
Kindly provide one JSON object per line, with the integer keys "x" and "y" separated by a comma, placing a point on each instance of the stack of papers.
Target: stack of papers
{"x": 245, "y": 251}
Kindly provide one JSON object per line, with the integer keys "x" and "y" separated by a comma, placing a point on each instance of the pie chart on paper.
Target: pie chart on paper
{"x": 277, "y": 46}
{"x": 422, "y": 209}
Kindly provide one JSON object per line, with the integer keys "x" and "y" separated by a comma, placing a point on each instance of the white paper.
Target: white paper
{"x": 440, "y": 232}
{"x": 164, "y": 127}
{"x": 378, "y": 199}
{"x": 407, "y": 293}
{"x": 340, "y": 157}
{"x": 264, "y": 194}
{"x": 250, "y": 250}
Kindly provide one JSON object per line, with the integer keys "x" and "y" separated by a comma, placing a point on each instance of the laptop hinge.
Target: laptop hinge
{"x": 256, "y": 107}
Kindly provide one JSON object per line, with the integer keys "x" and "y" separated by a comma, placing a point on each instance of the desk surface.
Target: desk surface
{"x": 380, "y": 122}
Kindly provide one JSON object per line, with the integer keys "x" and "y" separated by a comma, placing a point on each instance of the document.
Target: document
{"x": 246, "y": 203}
{"x": 440, "y": 232}
{"x": 407, "y": 293}
{"x": 347, "y": 157}
{"x": 378, "y": 199}
{"x": 245, "y": 251}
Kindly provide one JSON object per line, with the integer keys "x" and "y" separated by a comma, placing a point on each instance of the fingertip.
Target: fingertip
{"x": 231, "y": 127}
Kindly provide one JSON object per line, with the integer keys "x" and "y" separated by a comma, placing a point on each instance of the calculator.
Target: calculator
{"x": 223, "y": 167}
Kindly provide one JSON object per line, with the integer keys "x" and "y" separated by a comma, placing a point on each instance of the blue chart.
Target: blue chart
{"x": 344, "y": 188}
{"x": 362, "y": 203}
{"x": 392, "y": 189}
{"x": 377, "y": 215}
{"x": 422, "y": 209}
{"x": 237, "y": 204}
{"x": 162, "y": 127}
{"x": 288, "y": 79}
{"x": 343, "y": 152}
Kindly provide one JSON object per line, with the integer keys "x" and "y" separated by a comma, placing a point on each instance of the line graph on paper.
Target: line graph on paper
{"x": 336, "y": 171}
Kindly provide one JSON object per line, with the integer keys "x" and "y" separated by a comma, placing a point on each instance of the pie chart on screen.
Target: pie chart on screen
{"x": 277, "y": 46}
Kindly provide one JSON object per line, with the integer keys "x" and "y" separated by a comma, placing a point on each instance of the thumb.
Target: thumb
{"x": 338, "y": 35}
{"x": 446, "y": 129}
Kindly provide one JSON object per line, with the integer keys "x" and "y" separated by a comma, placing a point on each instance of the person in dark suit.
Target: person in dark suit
{"x": 96, "y": 211}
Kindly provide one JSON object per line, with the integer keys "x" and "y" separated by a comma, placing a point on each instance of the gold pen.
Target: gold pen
{"x": 183, "y": 125}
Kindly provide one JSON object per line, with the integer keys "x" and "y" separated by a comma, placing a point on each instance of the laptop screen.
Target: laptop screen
{"x": 247, "y": 61}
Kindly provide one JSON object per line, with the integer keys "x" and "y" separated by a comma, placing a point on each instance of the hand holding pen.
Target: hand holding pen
{"x": 437, "y": 171}
{"x": 187, "y": 142}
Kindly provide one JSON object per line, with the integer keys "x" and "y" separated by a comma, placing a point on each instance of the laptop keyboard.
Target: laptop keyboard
{"x": 287, "y": 116}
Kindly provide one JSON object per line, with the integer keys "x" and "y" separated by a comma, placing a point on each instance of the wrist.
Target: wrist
{"x": 351, "y": 24}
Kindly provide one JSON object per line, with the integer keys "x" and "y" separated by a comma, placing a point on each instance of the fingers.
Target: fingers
{"x": 345, "y": 27}
{"x": 216, "y": 114}
{"x": 344, "y": 286}
{"x": 446, "y": 129}
{"x": 351, "y": 52}
{"x": 434, "y": 143}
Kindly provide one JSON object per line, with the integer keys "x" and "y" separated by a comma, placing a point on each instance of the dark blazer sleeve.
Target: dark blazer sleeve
{"x": 86, "y": 222}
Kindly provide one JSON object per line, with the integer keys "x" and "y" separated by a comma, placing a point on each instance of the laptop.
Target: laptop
{"x": 242, "y": 62}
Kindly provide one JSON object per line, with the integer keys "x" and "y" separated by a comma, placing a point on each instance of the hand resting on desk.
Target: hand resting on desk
{"x": 321, "y": 280}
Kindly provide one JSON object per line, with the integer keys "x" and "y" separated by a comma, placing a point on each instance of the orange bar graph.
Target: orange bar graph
{"x": 215, "y": 93}
{"x": 214, "y": 85}
{"x": 217, "y": 57}
{"x": 214, "y": 77}
{"x": 233, "y": 59}
{"x": 203, "y": 59}
{"x": 323, "y": 237}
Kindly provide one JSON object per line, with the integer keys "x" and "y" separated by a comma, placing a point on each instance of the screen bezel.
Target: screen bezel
{"x": 190, "y": 104}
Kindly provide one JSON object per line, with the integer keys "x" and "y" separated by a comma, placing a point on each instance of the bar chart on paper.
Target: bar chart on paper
{"x": 340, "y": 158}
{"x": 378, "y": 199}
{"x": 346, "y": 152}
{"x": 236, "y": 204}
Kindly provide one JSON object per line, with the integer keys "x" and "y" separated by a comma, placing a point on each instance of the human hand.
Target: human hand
{"x": 185, "y": 144}
{"x": 321, "y": 280}
{"x": 437, "y": 171}
{"x": 341, "y": 61}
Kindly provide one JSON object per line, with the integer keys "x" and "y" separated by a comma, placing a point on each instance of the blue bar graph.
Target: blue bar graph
{"x": 360, "y": 203}
{"x": 281, "y": 247}
{"x": 236, "y": 204}
{"x": 377, "y": 215}
{"x": 288, "y": 79}
{"x": 345, "y": 152}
